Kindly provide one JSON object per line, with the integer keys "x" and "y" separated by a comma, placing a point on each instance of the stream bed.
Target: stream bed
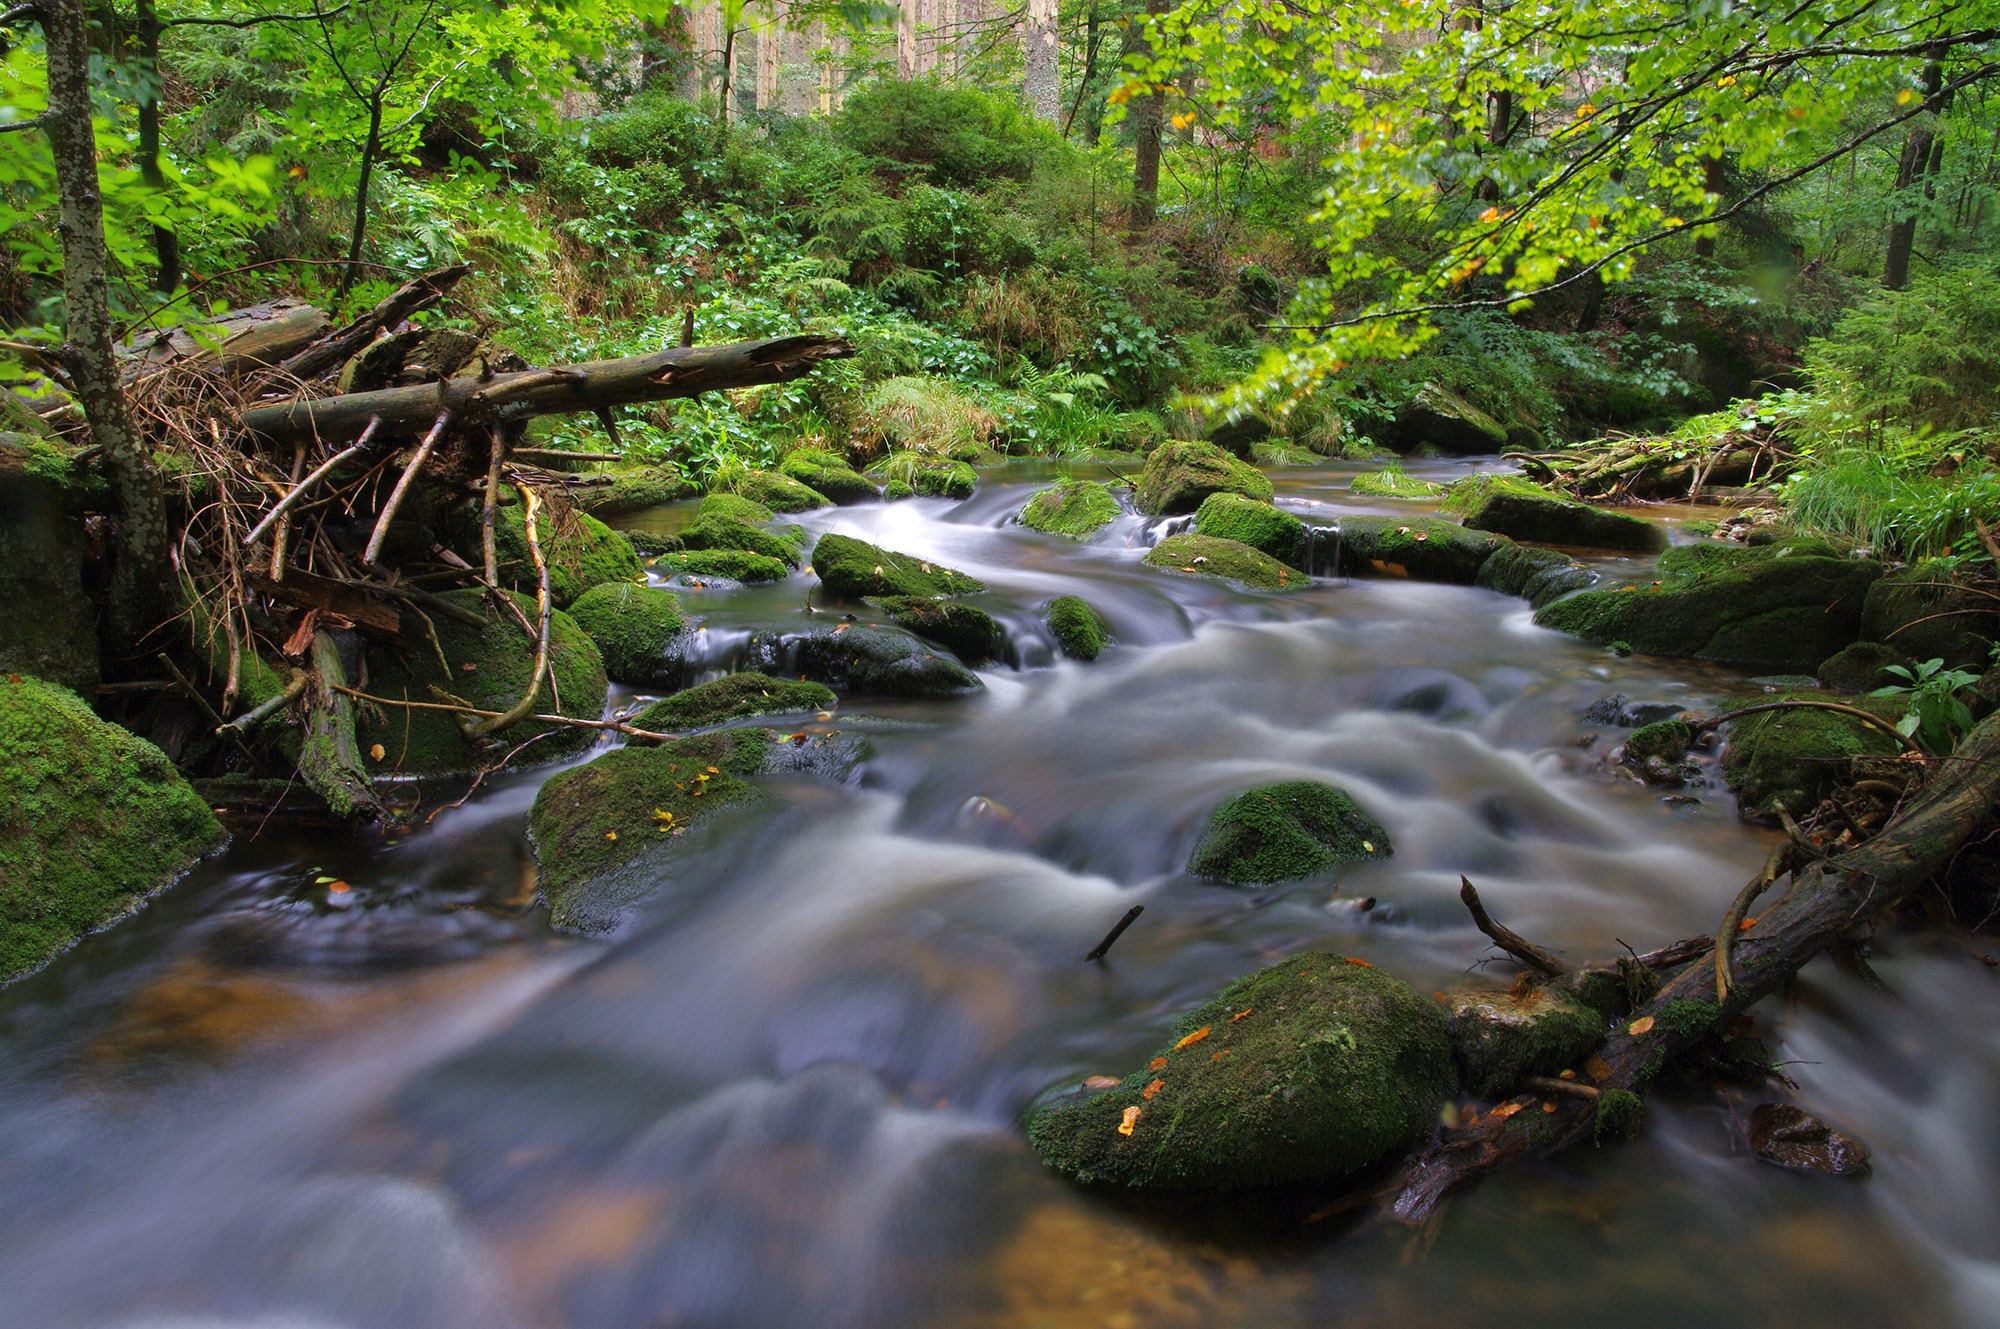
{"x": 785, "y": 1094}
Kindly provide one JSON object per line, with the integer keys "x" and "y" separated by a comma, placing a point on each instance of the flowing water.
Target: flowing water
{"x": 786, "y": 1093}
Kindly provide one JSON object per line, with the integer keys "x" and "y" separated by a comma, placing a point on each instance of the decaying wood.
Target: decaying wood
{"x": 254, "y": 336}
{"x": 387, "y": 517}
{"x": 305, "y": 590}
{"x": 475, "y": 728}
{"x": 320, "y": 472}
{"x": 329, "y": 353}
{"x": 330, "y": 757}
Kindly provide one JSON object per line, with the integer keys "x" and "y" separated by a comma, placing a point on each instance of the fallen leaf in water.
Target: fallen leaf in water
{"x": 1193, "y": 1038}
{"x": 1363, "y": 963}
{"x": 1505, "y": 1110}
{"x": 1642, "y": 1025}
{"x": 377, "y": 752}
{"x": 1157, "y": 1064}
{"x": 1101, "y": 1082}
{"x": 1151, "y": 1089}
{"x": 1130, "y": 1119}
{"x": 1598, "y": 1067}
{"x": 1240, "y": 1014}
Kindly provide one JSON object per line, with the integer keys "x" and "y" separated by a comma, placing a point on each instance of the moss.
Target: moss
{"x": 732, "y": 698}
{"x": 1259, "y": 525}
{"x": 824, "y": 473}
{"x": 1436, "y": 417}
{"x": 897, "y": 490}
{"x": 50, "y": 628}
{"x": 1208, "y": 556}
{"x": 1666, "y": 739}
{"x": 735, "y": 507}
{"x": 1283, "y": 832}
{"x": 640, "y": 631}
{"x": 1536, "y": 575}
{"x": 1511, "y": 506}
{"x": 581, "y": 554}
{"x": 613, "y": 492}
{"x": 1621, "y": 1114}
{"x": 1180, "y": 474}
{"x": 779, "y": 493}
{"x": 932, "y": 477}
{"x": 1314, "y": 1067}
{"x": 650, "y": 544}
{"x": 1080, "y": 630}
{"x": 857, "y": 569}
{"x": 1862, "y": 667}
{"x": 1603, "y": 988}
{"x": 1284, "y": 454}
{"x": 1499, "y": 1037}
{"x": 734, "y": 564}
{"x": 1467, "y": 496}
{"x": 1425, "y": 548}
{"x": 1689, "y": 1019}
{"x": 502, "y": 658}
{"x": 971, "y": 634}
{"x": 1392, "y": 483}
{"x": 17, "y": 417}
{"x": 1790, "y": 759}
{"x": 882, "y": 662}
{"x": 714, "y": 531}
{"x": 94, "y": 819}
{"x": 1929, "y": 615}
{"x": 1688, "y": 561}
{"x": 1075, "y": 509}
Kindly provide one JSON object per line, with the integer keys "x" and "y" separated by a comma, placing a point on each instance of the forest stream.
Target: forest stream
{"x": 786, "y": 1092}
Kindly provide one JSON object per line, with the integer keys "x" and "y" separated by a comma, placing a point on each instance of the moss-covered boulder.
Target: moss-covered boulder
{"x": 642, "y": 632}
{"x": 824, "y": 473}
{"x": 1498, "y": 1038}
{"x": 92, "y": 820}
{"x": 779, "y": 493}
{"x": 1925, "y": 613}
{"x": 487, "y": 667}
{"x": 894, "y": 490}
{"x": 1536, "y": 575}
{"x": 609, "y": 493}
{"x": 50, "y": 627}
{"x": 1392, "y": 483}
{"x": 1511, "y": 506}
{"x": 581, "y": 552}
{"x": 1259, "y": 525}
{"x": 1425, "y": 548}
{"x": 1862, "y": 667}
{"x": 1791, "y": 759}
{"x": 726, "y": 564}
{"x": 1781, "y": 608}
{"x": 1283, "y": 832}
{"x": 1439, "y": 420}
{"x": 733, "y": 698}
{"x": 736, "y": 508}
{"x": 712, "y": 530}
{"x": 973, "y": 635}
{"x": 1209, "y": 556}
{"x": 878, "y": 662}
{"x": 1658, "y": 752}
{"x": 1314, "y": 1067}
{"x": 1179, "y": 475}
{"x": 651, "y": 544}
{"x": 857, "y": 569}
{"x": 1079, "y": 630}
{"x": 920, "y": 474}
{"x": 1075, "y": 509}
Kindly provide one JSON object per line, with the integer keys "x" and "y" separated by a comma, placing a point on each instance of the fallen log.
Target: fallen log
{"x": 678, "y": 371}
{"x": 304, "y": 590}
{"x": 330, "y": 757}
{"x": 331, "y": 351}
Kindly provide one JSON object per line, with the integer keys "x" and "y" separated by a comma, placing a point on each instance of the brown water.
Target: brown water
{"x": 785, "y": 1094}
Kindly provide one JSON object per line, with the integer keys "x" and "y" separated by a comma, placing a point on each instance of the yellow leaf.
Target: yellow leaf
{"x": 1128, "y": 1121}
{"x": 1726, "y": 81}
{"x": 1642, "y": 1025}
{"x": 611, "y": 835}
{"x": 1193, "y": 1038}
{"x": 1363, "y": 963}
{"x": 1157, "y": 1064}
{"x": 1905, "y": 97}
{"x": 1240, "y": 1014}
{"x": 1220, "y": 1055}
{"x": 1505, "y": 1110}
{"x": 1491, "y": 214}
{"x": 1585, "y": 111}
{"x": 1598, "y": 1067}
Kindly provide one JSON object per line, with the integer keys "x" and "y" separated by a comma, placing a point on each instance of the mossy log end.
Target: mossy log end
{"x": 330, "y": 758}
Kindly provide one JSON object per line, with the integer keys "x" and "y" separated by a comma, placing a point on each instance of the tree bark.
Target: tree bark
{"x": 166, "y": 244}
{"x": 370, "y": 147}
{"x": 1147, "y": 114}
{"x": 1038, "y": 52}
{"x": 1909, "y": 168}
{"x": 329, "y": 352}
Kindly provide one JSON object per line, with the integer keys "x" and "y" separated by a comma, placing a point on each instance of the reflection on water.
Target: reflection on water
{"x": 785, "y": 1094}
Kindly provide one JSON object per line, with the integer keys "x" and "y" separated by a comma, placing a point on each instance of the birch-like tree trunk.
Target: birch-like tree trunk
{"x": 1038, "y": 51}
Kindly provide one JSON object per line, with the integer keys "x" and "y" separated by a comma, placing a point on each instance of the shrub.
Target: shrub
{"x": 1926, "y": 359}
{"x": 955, "y": 136}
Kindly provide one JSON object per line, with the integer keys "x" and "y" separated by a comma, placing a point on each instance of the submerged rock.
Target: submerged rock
{"x": 642, "y": 633}
{"x": 973, "y": 635}
{"x": 1282, "y": 832}
{"x": 1259, "y": 525}
{"x": 779, "y": 493}
{"x": 1501, "y": 1037}
{"x": 632, "y": 491}
{"x": 1314, "y": 1067}
{"x": 1179, "y": 475}
{"x": 1076, "y": 509}
{"x": 94, "y": 819}
{"x": 1426, "y": 548}
{"x": 1440, "y": 419}
{"x": 733, "y": 564}
{"x": 1511, "y": 506}
{"x": 1211, "y": 556}
{"x": 824, "y": 473}
{"x": 1862, "y": 667}
{"x": 580, "y": 554}
{"x": 874, "y": 661}
{"x": 1793, "y": 1137}
{"x": 1536, "y": 575}
{"x": 1392, "y": 483}
{"x": 1080, "y": 630}
{"x": 857, "y": 569}
{"x": 1790, "y": 759}
{"x": 733, "y": 698}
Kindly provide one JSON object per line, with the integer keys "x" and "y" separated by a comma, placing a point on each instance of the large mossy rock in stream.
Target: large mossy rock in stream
{"x": 609, "y": 493}
{"x": 738, "y": 565}
{"x": 1780, "y": 608}
{"x": 1536, "y": 575}
{"x": 829, "y": 476}
{"x": 581, "y": 552}
{"x": 779, "y": 493}
{"x": 1079, "y": 630}
{"x": 1074, "y": 509}
{"x": 92, "y": 820}
{"x": 1500, "y": 1037}
{"x": 857, "y": 569}
{"x": 1438, "y": 419}
{"x": 501, "y": 658}
{"x": 1259, "y": 525}
{"x": 868, "y": 661}
{"x": 1231, "y": 560}
{"x": 642, "y": 632}
{"x": 735, "y": 507}
{"x": 50, "y": 627}
{"x": 1791, "y": 759}
{"x": 712, "y": 530}
{"x": 1391, "y": 483}
{"x": 1924, "y": 613}
{"x": 973, "y": 635}
{"x": 1521, "y": 510}
{"x": 1285, "y": 832}
{"x": 1314, "y": 1067}
{"x": 923, "y": 476}
{"x": 734, "y": 697}
{"x": 1862, "y": 667}
{"x": 1423, "y": 548}
{"x": 1179, "y": 475}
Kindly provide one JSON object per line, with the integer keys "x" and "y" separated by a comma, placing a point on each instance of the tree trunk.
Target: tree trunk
{"x": 1147, "y": 113}
{"x": 166, "y": 244}
{"x": 371, "y": 146}
{"x": 140, "y": 599}
{"x": 1711, "y": 182}
{"x": 1038, "y": 53}
{"x": 1915, "y": 159}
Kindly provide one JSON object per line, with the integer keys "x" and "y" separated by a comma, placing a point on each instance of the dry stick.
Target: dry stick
{"x": 1117, "y": 931}
{"x": 421, "y": 598}
{"x": 1529, "y": 954}
{"x": 1853, "y": 712}
{"x": 319, "y": 473}
{"x": 408, "y": 477}
{"x": 251, "y": 719}
{"x": 615, "y": 726}
{"x": 531, "y": 501}
{"x": 1732, "y": 922}
{"x": 282, "y": 536}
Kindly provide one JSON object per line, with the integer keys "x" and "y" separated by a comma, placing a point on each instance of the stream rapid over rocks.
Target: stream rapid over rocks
{"x": 786, "y": 1090}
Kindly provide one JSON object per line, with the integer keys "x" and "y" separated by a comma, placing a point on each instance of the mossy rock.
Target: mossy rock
{"x": 1209, "y": 556}
{"x": 1667, "y": 740}
{"x": 857, "y": 569}
{"x": 1079, "y": 630}
{"x": 1521, "y": 510}
{"x": 1696, "y": 559}
{"x": 50, "y": 628}
{"x": 894, "y": 490}
{"x": 1438, "y": 419}
{"x": 1074, "y": 509}
{"x": 1904, "y": 609}
{"x": 581, "y": 553}
{"x": 1862, "y": 667}
{"x": 1179, "y": 475}
{"x": 1259, "y": 525}
{"x": 831, "y": 476}
{"x": 1425, "y": 548}
{"x": 1284, "y": 832}
{"x": 730, "y": 564}
{"x": 642, "y": 632}
{"x": 1499, "y": 1038}
{"x": 973, "y": 635}
{"x": 643, "y": 487}
{"x": 779, "y": 493}
{"x": 651, "y": 544}
{"x": 1239, "y": 432}
{"x": 95, "y": 819}
{"x": 715, "y": 531}
{"x": 1536, "y": 575}
{"x": 1782, "y": 608}
{"x": 876, "y": 661}
{"x": 735, "y": 507}
{"x": 931, "y": 477}
{"x": 734, "y": 698}
{"x": 502, "y": 659}
{"x": 1314, "y": 1067}
{"x": 1791, "y": 759}
{"x": 1392, "y": 483}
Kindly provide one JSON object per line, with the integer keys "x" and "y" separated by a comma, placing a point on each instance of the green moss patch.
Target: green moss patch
{"x": 1259, "y": 525}
{"x": 1283, "y": 832}
{"x": 1922, "y": 611}
{"x": 1180, "y": 474}
{"x": 824, "y": 473}
{"x": 779, "y": 493}
{"x": 1209, "y": 556}
{"x": 733, "y": 698}
{"x": 714, "y": 531}
{"x": 1392, "y": 483}
{"x": 613, "y": 492}
{"x": 1079, "y": 630}
{"x": 733, "y": 564}
{"x": 1862, "y": 667}
{"x": 581, "y": 552}
{"x": 973, "y": 635}
{"x": 1426, "y": 548}
{"x": 736, "y": 508}
{"x": 650, "y": 544}
{"x": 1790, "y": 759}
{"x": 857, "y": 569}
{"x": 1536, "y": 575}
{"x": 640, "y": 631}
{"x": 1500, "y": 1037}
{"x": 1511, "y": 506}
{"x": 1075, "y": 509}
{"x": 918, "y": 473}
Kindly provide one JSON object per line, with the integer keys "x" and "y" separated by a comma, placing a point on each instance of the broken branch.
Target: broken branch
{"x": 1529, "y": 954}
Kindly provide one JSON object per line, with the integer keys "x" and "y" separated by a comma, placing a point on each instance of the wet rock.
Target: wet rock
{"x": 1238, "y": 433}
{"x": 1426, "y": 548}
{"x": 825, "y": 474}
{"x": 733, "y": 698}
{"x": 1080, "y": 630}
{"x": 1620, "y": 711}
{"x": 642, "y": 633}
{"x": 1792, "y": 1137}
{"x": 873, "y": 661}
{"x": 778, "y": 493}
{"x": 1658, "y": 752}
{"x": 92, "y": 819}
{"x": 1521, "y": 510}
{"x": 1790, "y": 759}
{"x": 736, "y": 565}
{"x": 857, "y": 569}
{"x": 1440, "y": 419}
{"x": 50, "y": 627}
{"x": 1284, "y": 832}
{"x": 1076, "y": 509}
{"x": 712, "y": 530}
{"x": 931, "y": 477}
{"x": 1536, "y": 575}
{"x": 1862, "y": 667}
{"x": 1903, "y": 609}
{"x": 971, "y": 634}
{"x": 1179, "y": 475}
{"x": 1392, "y": 483}
{"x": 1284, "y": 454}
{"x": 643, "y": 487}
{"x": 894, "y": 490}
{"x": 1259, "y": 525}
{"x": 1785, "y": 607}
{"x": 1314, "y": 1067}
{"x": 1500, "y": 1037}
{"x": 650, "y": 544}
{"x": 1210, "y": 556}
{"x": 581, "y": 554}
{"x": 489, "y": 669}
